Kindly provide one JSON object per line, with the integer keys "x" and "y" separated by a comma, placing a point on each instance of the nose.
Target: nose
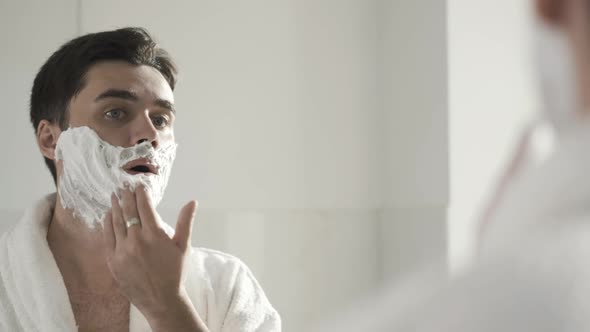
{"x": 144, "y": 131}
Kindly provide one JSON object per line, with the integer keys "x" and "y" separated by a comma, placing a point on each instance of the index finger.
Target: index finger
{"x": 147, "y": 213}
{"x": 108, "y": 231}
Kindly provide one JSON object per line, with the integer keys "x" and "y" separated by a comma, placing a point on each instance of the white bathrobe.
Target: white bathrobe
{"x": 33, "y": 296}
{"x": 534, "y": 273}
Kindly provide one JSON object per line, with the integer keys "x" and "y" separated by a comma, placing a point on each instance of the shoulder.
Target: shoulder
{"x": 224, "y": 275}
{"x": 218, "y": 269}
{"x": 239, "y": 300}
{"x": 214, "y": 260}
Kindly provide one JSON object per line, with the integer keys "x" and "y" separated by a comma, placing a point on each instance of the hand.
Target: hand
{"x": 147, "y": 264}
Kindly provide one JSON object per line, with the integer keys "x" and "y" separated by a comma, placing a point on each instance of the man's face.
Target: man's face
{"x": 125, "y": 104}
{"x": 129, "y": 110}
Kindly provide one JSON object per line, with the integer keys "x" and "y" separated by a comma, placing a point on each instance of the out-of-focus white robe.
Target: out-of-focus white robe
{"x": 532, "y": 275}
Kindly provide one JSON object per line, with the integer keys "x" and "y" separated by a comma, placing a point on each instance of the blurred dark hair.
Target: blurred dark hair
{"x": 62, "y": 76}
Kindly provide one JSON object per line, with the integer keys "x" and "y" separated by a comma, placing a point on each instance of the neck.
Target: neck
{"x": 79, "y": 251}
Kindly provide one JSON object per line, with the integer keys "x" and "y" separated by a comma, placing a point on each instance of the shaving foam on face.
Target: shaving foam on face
{"x": 93, "y": 170}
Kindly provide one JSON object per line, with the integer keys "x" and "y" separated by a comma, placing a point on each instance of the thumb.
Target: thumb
{"x": 184, "y": 225}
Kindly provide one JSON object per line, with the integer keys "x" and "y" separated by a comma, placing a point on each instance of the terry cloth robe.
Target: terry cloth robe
{"x": 33, "y": 296}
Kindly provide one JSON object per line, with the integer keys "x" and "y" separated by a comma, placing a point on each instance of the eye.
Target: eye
{"x": 160, "y": 121}
{"x": 115, "y": 114}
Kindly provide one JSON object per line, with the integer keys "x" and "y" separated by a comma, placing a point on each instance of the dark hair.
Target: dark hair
{"x": 62, "y": 76}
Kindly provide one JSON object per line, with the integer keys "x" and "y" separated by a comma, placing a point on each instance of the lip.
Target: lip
{"x": 152, "y": 168}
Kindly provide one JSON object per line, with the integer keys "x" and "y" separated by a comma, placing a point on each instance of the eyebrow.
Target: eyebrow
{"x": 131, "y": 96}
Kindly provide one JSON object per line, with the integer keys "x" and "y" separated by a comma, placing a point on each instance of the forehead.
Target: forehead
{"x": 145, "y": 81}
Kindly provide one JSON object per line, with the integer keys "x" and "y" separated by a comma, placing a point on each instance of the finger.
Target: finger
{"x": 184, "y": 225}
{"x": 108, "y": 232}
{"x": 147, "y": 213}
{"x": 130, "y": 211}
{"x": 118, "y": 224}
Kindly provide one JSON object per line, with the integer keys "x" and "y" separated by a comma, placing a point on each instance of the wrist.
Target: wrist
{"x": 175, "y": 314}
{"x": 167, "y": 306}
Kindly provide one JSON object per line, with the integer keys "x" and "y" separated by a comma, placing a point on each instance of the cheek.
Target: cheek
{"x": 79, "y": 116}
{"x": 110, "y": 135}
{"x": 167, "y": 137}
{"x": 76, "y": 121}
{"x": 116, "y": 137}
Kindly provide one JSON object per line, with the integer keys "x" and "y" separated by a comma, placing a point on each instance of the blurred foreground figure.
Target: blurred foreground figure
{"x": 533, "y": 271}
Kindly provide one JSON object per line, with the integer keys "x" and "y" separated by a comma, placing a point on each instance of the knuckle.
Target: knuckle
{"x": 129, "y": 211}
{"x": 118, "y": 260}
{"x": 136, "y": 247}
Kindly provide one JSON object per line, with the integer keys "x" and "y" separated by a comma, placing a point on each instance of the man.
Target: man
{"x": 95, "y": 256}
{"x": 533, "y": 273}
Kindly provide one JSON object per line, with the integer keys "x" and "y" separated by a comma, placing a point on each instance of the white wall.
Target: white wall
{"x": 313, "y": 133}
{"x": 413, "y": 77}
{"x": 30, "y": 31}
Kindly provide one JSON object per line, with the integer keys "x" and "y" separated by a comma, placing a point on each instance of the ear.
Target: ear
{"x": 551, "y": 11}
{"x": 47, "y": 135}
